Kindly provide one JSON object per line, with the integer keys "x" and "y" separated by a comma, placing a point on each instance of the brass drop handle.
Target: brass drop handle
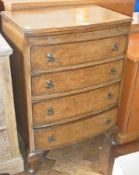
{"x": 49, "y": 84}
{"x": 51, "y": 138}
{"x": 50, "y": 111}
{"x": 110, "y": 95}
{"x": 115, "y": 47}
{"x": 50, "y": 57}
{"x": 113, "y": 71}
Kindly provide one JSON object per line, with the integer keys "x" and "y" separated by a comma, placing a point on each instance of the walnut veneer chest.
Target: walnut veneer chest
{"x": 67, "y": 69}
{"x": 10, "y": 157}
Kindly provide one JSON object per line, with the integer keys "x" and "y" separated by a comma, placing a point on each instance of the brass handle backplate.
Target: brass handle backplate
{"x": 115, "y": 47}
{"x": 50, "y": 57}
{"x": 113, "y": 71}
{"x": 49, "y": 84}
{"x": 51, "y": 138}
{"x": 110, "y": 95}
{"x": 50, "y": 111}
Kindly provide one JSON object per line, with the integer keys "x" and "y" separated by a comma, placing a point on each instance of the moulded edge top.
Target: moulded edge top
{"x": 64, "y": 19}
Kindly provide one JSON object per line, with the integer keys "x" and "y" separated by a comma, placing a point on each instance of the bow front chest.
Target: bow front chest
{"x": 67, "y": 69}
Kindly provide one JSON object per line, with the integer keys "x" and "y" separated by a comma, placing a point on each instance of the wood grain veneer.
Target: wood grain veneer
{"x": 80, "y": 130}
{"x": 84, "y": 83}
{"x": 85, "y": 51}
{"x": 70, "y": 106}
{"x": 75, "y": 19}
{"x": 76, "y": 78}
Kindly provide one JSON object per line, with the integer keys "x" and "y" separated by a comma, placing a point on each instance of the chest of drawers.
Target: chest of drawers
{"x": 67, "y": 69}
{"x": 10, "y": 158}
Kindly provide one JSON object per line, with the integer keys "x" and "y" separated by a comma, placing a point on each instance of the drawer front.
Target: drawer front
{"x": 52, "y": 83}
{"x": 70, "y": 107}
{"x": 53, "y": 56}
{"x": 52, "y": 137}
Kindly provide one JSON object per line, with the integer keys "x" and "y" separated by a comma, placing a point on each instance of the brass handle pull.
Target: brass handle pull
{"x": 113, "y": 71}
{"x": 49, "y": 84}
{"x": 50, "y": 57}
{"x": 51, "y": 138}
{"x": 110, "y": 95}
{"x": 115, "y": 47}
{"x": 50, "y": 111}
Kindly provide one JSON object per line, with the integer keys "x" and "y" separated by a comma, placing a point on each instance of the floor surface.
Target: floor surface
{"x": 92, "y": 157}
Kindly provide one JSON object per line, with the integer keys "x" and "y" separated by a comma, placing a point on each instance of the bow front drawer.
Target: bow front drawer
{"x": 59, "y": 82}
{"x": 71, "y": 107}
{"x": 53, "y": 137}
{"x": 61, "y": 55}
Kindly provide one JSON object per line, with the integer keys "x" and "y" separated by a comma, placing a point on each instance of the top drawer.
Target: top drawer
{"x": 54, "y": 56}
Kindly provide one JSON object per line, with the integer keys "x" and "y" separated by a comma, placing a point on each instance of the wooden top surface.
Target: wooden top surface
{"x": 133, "y": 47}
{"x": 5, "y": 49}
{"x": 25, "y": 4}
{"x": 60, "y": 19}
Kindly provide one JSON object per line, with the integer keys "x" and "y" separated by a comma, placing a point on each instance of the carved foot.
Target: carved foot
{"x": 35, "y": 160}
{"x": 112, "y": 135}
{"x": 113, "y": 140}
